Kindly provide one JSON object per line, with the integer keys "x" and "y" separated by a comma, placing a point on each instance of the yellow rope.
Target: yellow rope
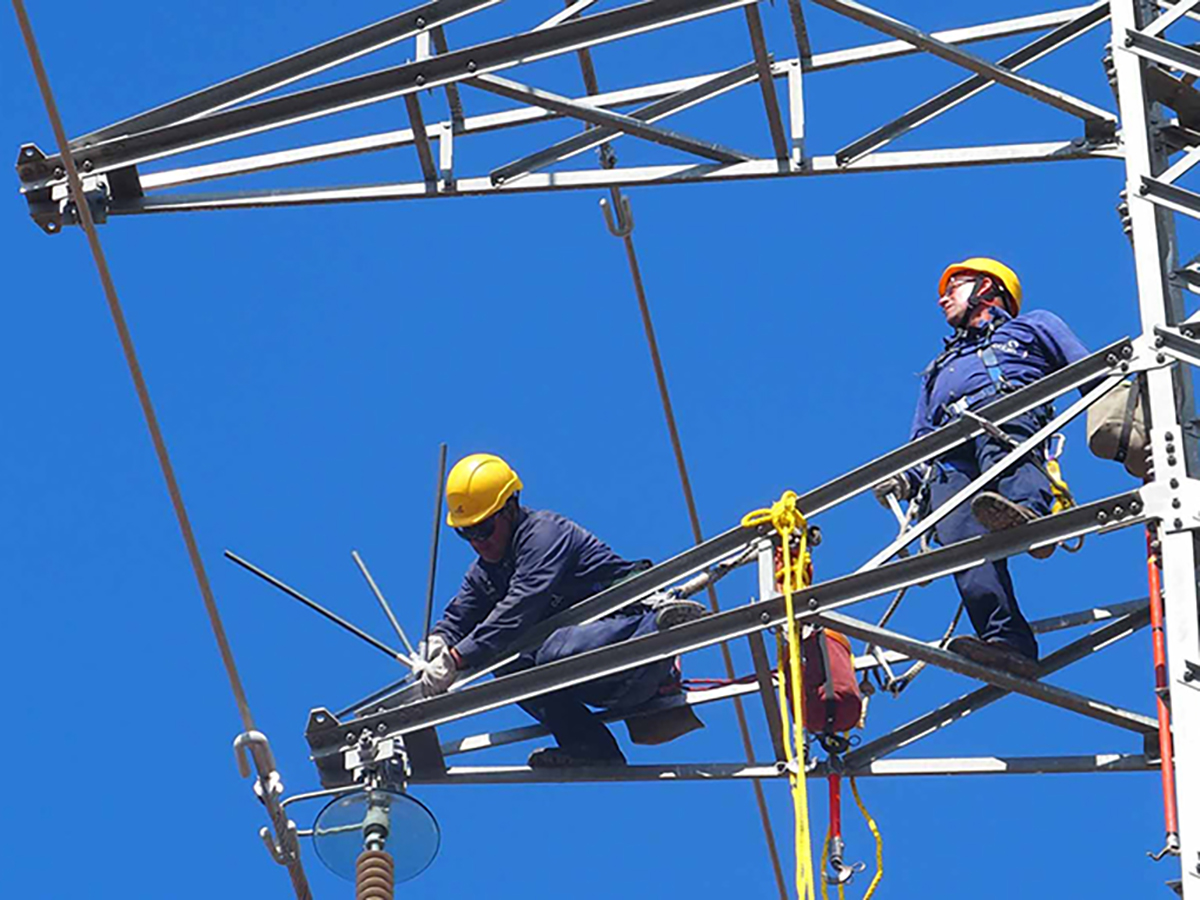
{"x": 878, "y": 840}
{"x": 786, "y": 518}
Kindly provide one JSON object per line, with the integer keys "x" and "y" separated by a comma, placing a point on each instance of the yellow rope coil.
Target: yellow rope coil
{"x": 786, "y": 518}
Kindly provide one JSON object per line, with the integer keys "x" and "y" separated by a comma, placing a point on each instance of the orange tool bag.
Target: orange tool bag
{"x": 832, "y": 699}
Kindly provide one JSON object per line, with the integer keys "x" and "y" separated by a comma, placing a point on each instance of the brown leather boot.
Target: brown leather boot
{"x": 998, "y": 513}
{"x": 995, "y": 654}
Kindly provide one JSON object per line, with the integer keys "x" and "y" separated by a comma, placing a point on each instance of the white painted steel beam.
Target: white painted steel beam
{"x": 984, "y": 765}
{"x": 1170, "y": 402}
{"x": 681, "y": 173}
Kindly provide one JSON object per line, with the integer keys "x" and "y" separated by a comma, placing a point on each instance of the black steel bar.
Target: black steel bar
{"x": 762, "y": 60}
{"x": 316, "y": 607}
{"x": 453, "y": 100}
{"x": 416, "y": 121}
{"x": 438, "y": 494}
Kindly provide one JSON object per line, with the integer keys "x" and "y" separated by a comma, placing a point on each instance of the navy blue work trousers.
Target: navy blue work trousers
{"x": 565, "y": 713}
{"x": 987, "y": 589}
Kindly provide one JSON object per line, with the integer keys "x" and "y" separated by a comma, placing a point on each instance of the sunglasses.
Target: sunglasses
{"x": 480, "y": 531}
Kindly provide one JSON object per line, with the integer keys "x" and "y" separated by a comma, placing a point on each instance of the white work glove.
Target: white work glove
{"x": 428, "y": 651}
{"x": 438, "y": 674}
{"x": 897, "y": 485}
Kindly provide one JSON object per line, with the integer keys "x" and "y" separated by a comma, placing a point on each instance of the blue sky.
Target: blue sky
{"x": 305, "y": 364}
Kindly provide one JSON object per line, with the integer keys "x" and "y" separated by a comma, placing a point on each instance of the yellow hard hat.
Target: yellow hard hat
{"x": 993, "y": 267}
{"x": 477, "y": 487}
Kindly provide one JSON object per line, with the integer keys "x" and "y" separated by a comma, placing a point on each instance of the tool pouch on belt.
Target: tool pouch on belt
{"x": 1116, "y": 427}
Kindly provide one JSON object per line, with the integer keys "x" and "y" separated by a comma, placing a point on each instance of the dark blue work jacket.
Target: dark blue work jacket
{"x": 1003, "y": 354}
{"x": 551, "y": 563}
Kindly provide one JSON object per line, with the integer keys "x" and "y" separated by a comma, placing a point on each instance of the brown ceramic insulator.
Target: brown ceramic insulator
{"x": 375, "y": 876}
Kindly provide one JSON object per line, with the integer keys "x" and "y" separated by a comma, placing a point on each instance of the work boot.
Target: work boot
{"x": 670, "y": 611}
{"x": 558, "y": 758}
{"x": 996, "y": 654}
{"x": 997, "y": 513}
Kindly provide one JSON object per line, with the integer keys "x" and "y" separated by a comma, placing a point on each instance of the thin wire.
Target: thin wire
{"x": 296, "y": 871}
{"x": 698, "y": 535}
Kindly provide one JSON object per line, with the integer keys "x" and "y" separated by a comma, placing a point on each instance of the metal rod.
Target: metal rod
{"x": 621, "y": 209}
{"x": 412, "y": 102}
{"x": 438, "y": 495}
{"x": 800, "y": 29}
{"x": 453, "y": 99}
{"x": 762, "y": 60}
{"x": 1162, "y": 690}
{"x": 597, "y": 116}
{"x": 318, "y": 608}
{"x": 387, "y": 610}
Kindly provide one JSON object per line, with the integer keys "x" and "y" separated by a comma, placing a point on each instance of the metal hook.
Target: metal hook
{"x": 281, "y": 854}
{"x": 273, "y": 848}
{"x": 1170, "y": 849}
{"x": 623, "y": 226}
{"x": 257, "y": 743}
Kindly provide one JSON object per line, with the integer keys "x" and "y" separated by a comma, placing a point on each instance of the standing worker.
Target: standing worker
{"x": 533, "y": 564}
{"x": 994, "y": 349}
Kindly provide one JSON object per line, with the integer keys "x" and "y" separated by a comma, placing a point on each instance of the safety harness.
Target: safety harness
{"x": 1047, "y": 458}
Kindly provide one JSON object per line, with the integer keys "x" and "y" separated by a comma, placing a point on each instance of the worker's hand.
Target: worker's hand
{"x": 430, "y": 649}
{"x": 438, "y": 674}
{"x": 897, "y": 485}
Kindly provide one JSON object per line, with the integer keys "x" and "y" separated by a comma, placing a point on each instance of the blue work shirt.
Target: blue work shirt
{"x": 1025, "y": 348}
{"x": 551, "y": 563}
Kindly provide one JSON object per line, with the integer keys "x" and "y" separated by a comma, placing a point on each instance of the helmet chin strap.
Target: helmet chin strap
{"x": 977, "y": 299}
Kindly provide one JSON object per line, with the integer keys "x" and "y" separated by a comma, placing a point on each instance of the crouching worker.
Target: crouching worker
{"x": 995, "y": 348}
{"x": 532, "y": 565}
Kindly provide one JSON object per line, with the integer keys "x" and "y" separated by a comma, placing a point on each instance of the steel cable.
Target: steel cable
{"x": 697, "y": 534}
{"x": 299, "y": 882}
